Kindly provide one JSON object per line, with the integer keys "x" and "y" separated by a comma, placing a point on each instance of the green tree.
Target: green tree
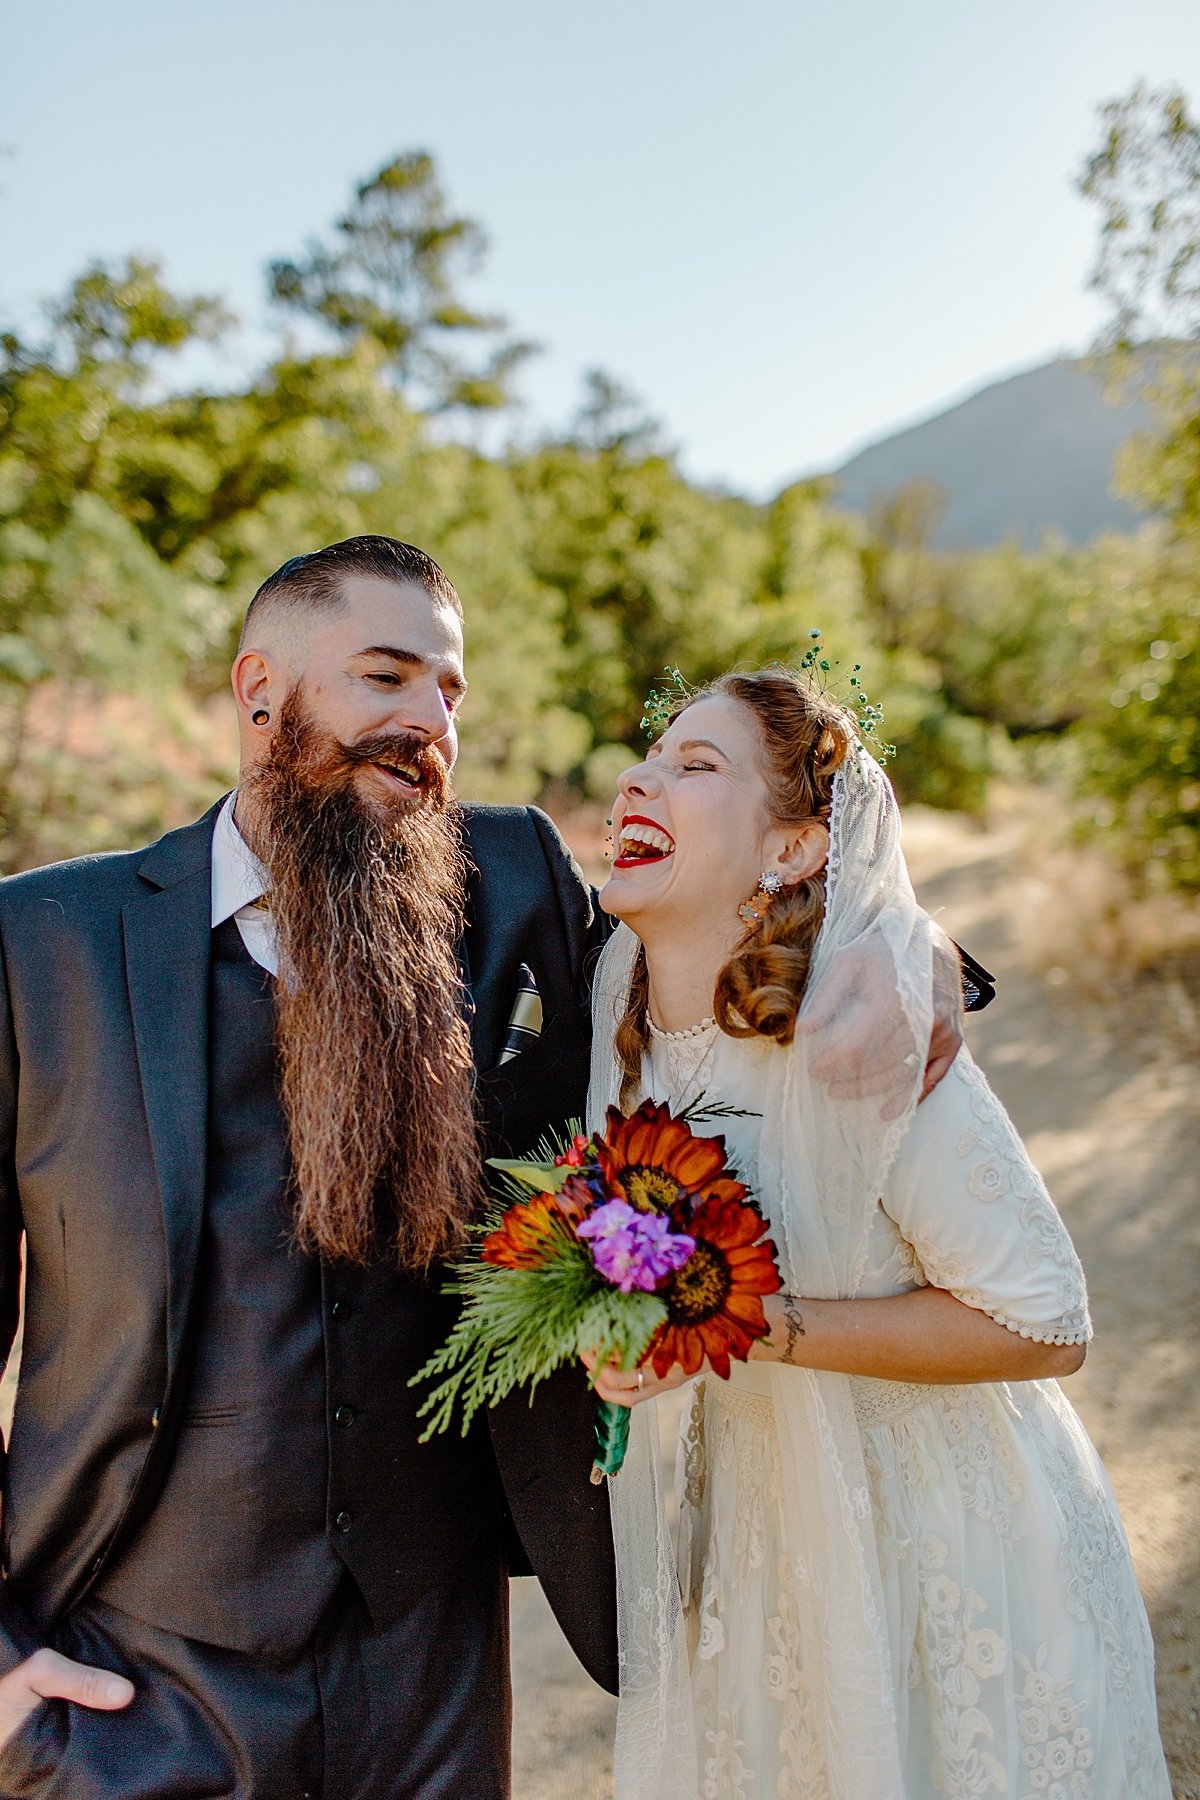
{"x": 91, "y": 617}
{"x": 1141, "y": 749}
{"x": 650, "y": 571}
{"x": 87, "y": 615}
{"x": 123, "y": 317}
{"x": 612, "y": 417}
{"x": 65, "y": 403}
{"x": 1145, "y": 178}
{"x": 391, "y": 273}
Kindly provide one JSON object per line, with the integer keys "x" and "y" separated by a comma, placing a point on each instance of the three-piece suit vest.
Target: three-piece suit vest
{"x": 287, "y": 1468}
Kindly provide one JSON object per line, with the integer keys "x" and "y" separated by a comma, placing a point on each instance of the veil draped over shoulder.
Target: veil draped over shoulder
{"x": 824, "y": 1153}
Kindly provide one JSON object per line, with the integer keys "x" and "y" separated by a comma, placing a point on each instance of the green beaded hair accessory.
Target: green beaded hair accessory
{"x": 663, "y": 703}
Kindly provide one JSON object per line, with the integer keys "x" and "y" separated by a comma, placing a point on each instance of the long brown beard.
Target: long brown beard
{"x": 375, "y": 1059}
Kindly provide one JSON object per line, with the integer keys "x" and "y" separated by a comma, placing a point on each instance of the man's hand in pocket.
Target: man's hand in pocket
{"x": 48, "y": 1676}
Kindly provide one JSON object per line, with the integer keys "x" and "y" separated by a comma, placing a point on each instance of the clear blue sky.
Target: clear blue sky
{"x": 788, "y": 226}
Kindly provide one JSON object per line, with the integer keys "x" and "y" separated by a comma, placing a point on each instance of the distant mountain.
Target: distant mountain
{"x": 1023, "y": 457}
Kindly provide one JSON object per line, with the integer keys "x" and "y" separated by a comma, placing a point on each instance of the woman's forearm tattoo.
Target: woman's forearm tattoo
{"x": 795, "y": 1328}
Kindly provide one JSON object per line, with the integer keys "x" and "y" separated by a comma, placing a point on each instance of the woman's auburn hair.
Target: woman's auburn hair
{"x": 804, "y": 738}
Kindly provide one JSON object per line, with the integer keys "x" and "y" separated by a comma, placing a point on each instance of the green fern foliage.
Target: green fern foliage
{"x": 518, "y": 1325}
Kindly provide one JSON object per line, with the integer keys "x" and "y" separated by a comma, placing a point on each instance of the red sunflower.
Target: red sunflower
{"x": 714, "y": 1303}
{"x": 656, "y": 1162}
{"x": 524, "y": 1237}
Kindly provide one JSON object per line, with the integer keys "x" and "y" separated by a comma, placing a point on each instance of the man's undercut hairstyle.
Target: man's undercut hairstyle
{"x": 313, "y": 583}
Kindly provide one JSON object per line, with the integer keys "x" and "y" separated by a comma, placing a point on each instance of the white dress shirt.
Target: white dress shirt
{"x": 238, "y": 880}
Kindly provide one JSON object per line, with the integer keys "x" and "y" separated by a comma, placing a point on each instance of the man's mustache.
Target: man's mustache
{"x": 402, "y": 751}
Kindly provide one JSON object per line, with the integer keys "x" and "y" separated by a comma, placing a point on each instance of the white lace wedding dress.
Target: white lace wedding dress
{"x": 1020, "y": 1654}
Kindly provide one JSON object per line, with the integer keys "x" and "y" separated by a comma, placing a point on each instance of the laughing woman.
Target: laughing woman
{"x": 902, "y": 1569}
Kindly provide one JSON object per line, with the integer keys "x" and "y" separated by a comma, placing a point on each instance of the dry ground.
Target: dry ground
{"x": 1107, "y": 1101}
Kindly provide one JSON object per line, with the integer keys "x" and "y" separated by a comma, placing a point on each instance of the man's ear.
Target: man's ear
{"x": 801, "y": 852}
{"x": 260, "y": 687}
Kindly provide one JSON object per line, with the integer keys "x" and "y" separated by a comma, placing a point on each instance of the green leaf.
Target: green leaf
{"x": 542, "y": 1177}
{"x": 518, "y": 1325}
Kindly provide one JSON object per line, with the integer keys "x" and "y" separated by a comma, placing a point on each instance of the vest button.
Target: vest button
{"x": 343, "y": 1521}
{"x": 344, "y": 1415}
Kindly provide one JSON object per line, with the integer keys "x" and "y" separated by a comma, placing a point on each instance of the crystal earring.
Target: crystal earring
{"x": 754, "y": 910}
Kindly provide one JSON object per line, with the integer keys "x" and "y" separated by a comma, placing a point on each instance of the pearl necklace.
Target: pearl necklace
{"x": 679, "y": 1037}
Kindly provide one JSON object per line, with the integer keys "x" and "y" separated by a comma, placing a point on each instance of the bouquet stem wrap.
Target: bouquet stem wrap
{"x": 612, "y": 1439}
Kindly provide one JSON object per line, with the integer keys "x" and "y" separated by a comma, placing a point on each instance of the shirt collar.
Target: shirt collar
{"x": 238, "y": 878}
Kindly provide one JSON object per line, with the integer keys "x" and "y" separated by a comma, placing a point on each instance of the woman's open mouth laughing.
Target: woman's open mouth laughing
{"x": 642, "y": 841}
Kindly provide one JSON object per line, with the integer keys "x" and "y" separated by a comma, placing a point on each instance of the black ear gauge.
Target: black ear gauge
{"x": 260, "y": 717}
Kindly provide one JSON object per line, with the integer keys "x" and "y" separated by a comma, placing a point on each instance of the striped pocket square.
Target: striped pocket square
{"x": 525, "y": 1020}
{"x": 978, "y": 983}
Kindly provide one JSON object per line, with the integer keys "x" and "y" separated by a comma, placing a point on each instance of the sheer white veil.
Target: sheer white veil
{"x": 824, "y": 1152}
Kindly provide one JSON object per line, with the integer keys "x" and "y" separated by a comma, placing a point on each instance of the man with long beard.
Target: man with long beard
{"x": 242, "y": 1077}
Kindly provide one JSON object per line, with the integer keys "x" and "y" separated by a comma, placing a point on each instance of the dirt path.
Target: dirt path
{"x": 1112, "y": 1120}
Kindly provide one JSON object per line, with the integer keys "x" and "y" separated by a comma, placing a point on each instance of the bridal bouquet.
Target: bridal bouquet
{"x": 636, "y": 1242}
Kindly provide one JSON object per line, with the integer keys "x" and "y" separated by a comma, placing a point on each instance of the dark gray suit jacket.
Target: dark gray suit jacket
{"x": 103, "y": 1083}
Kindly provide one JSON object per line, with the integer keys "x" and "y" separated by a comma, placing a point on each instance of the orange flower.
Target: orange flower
{"x": 574, "y": 1199}
{"x": 655, "y": 1162}
{"x": 714, "y": 1303}
{"x": 522, "y": 1240}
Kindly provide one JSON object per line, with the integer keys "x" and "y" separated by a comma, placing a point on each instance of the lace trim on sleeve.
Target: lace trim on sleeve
{"x": 1072, "y": 1326}
{"x": 1076, "y": 1329}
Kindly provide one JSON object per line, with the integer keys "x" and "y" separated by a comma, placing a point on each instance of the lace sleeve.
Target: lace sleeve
{"x": 967, "y": 1198}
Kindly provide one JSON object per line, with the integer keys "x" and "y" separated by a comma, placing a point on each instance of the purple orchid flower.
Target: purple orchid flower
{"x": 632, "y": 1249}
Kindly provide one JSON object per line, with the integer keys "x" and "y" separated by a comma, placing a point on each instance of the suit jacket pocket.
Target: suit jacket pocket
{"x": 528, "y": 1064}
{"x": 211, "y": 1415}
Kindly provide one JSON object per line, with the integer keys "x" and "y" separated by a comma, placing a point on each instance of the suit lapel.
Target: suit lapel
{"x": 467, "y": 1002}
{"x": 167, "y": 933}
{"x": 470, "y": 1007}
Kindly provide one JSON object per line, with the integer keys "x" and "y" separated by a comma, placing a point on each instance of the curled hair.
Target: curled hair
{"x": 804, "y": 739}
{"x": 632, "y": 1037}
